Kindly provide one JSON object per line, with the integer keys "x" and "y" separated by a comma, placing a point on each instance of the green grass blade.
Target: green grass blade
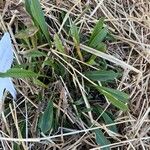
{"x": 46, "y": 120}
{"x": 112, "y": 99}
{"x": 76, "y": 39}
{"x": 35, "y": 53}
{"x": 75, "y": 33}
{"x": 101, "y": 139}
{"x": 98, "y": 27}
{"x": 101, "y": 75}
{"x": 117, "y": 94}
{"x": 59, "y": 45}
{"x": 98, "y": 38}
{"x": 27, "y": 6}
{"x": 18, "y": 73}
{"x": 38, "y": 15}
{"x": 106, "y": 118}
{"x": 16, "y": 146}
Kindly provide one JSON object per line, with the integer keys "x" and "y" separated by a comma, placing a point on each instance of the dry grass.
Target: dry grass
{"x": 129, "y": 20}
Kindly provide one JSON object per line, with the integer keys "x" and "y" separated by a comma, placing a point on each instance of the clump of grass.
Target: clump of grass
{"x": 66, "y": 80}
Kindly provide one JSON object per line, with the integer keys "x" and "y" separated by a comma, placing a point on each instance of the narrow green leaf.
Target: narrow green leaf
{"x": 106, "y": 118}
{"x": 76, "y": 39}
{"x": 35, "y": 53}
{"x": 22, "y": 126}
{"x": 97, "y": 29}
{"x": 112, "y": 99}
{"x": 92, "y": 61}
{"x": 75, "y": 34}
{"x": 39, "y": 83}
{"x": 101, "y": 139}
{"x": 101, "y": 75}
{"x": 59, "y": 44}
{"x": 46, "y": 119}
{"x": 38, "y": 15}
{"x": 98, "y": 35}
{"x": 16, "y": 146}
{"x": 27, "y": 6}
{"x": 18, "y": 73}
{"x": 117, "y": 94}
{"x": 98, "y": 38}
{"x": 50, "y": 63}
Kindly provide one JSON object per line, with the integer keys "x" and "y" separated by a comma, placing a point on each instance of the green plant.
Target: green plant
{"x": 75, "y": 73}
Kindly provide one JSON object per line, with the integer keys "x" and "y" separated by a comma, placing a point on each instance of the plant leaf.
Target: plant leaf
{"x": 106, "y": 118}
{"x": 46, "y": 119}
{"x": 113, "y": 99}
{"x": 59, "y": 45}
{"x": 101, "y": 75}
{"x": 76, "y": 38}
{"x": 75, "y": 33}
{"x": 27, "y": 6}
{"x": 97, "y": 28}
{"x": 38, "y": 15}
{"x": 117, "y": 94}
{"x": 35, "y": 53}
{"x": 16, "y": 146}
{"x": 18, "y": 73}
{"x": 98, "y": 38}
{"x": 38, "y": 82}
{"x": 101, "y": 139}
{"x": 50, "y": 63}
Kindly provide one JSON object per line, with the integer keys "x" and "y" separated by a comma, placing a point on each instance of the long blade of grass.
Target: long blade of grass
{"x": 101, "y": 139}
{"x": 113, "y": 99}
{"x": 59, "y": 44}
{"x": 117, "y": 94}
{"x": 18, "y": 73}
{"x": 27, "y": 6}
{"x": 97, "y": 29}
{"x": 98, "y": 38}
{"x": 38, "y": 15}
{"x": 46, "y": 120}
{"x": 106, "y": 118}
{"x": 76, "y": 39}
{"x": 101, "y": 75}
